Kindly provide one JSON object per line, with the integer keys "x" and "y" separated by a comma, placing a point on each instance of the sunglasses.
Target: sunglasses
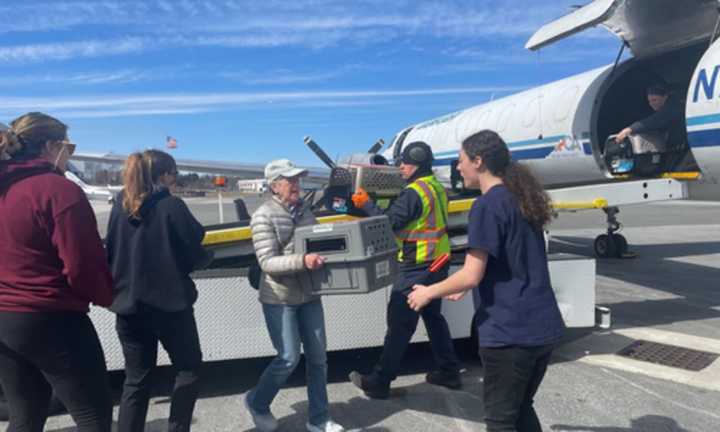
{"x": 69, "y": 147}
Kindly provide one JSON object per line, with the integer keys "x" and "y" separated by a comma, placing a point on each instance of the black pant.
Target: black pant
{"x": 139, "y": 335}
{"x": 402, "y": 322}
{"x": 45, "y": 351}
{"x": 512, "y": 377}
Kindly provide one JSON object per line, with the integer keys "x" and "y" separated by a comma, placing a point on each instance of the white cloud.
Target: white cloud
{"x": 69, "y": 50}
{"x": 288, "y": 76}
{"x": 89, "y": 78}
{"x": 114, "y": 106}
{"x": 274, "y": 23}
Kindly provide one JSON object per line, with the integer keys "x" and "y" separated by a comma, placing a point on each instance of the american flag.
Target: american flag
{"x": 171, "y": 142}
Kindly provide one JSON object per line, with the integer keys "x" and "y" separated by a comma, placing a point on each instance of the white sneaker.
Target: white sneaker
{"x": 264, "y": 422}
{"x": 328, "y": 426}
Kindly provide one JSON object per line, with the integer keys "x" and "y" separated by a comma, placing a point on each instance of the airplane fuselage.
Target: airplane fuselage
{"x": 559, "y": 129}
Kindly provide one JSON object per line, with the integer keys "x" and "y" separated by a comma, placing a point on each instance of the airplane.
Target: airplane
{"x": 560, "y": 129}
{"x": 93, "y": 193}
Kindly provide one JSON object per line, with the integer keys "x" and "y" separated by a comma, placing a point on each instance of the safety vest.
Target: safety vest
{"x": 428, "y": 233}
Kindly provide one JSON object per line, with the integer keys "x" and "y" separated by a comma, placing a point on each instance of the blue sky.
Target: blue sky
{"x": 244, "y": 81}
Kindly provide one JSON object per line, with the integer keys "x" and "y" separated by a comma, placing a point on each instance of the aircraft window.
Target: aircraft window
{"x": 504, "y": 117}
{"x": 566, "y": 103}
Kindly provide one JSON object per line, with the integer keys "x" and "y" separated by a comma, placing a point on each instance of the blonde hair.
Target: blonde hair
{"x": 28, "y": 135}
{"x": 140, "y": 176}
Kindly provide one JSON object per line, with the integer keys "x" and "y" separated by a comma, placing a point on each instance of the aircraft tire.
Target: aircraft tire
{"x": 604, "y": 248}
{"x": 621, "y": 244}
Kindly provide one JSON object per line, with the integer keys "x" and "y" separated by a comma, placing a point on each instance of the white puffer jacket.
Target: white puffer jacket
{"x": 285, "y": 279}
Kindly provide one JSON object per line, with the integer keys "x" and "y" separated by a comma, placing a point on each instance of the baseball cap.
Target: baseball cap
{"x": 282, "y": 168}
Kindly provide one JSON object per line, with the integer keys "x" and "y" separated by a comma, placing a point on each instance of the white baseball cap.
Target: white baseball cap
{"x": 282, "y": 168}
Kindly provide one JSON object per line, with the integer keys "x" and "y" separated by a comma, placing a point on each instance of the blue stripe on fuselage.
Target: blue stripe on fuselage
{"x": 704, "y": 138}
{"x": 512, "y": 145}
{"x": 536, "y": 153}
{"x": 701, "y": 120}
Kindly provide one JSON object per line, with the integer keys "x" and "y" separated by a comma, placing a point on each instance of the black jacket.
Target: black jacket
{"x": 151, "y": 257}
{"x": 670, "y": 119}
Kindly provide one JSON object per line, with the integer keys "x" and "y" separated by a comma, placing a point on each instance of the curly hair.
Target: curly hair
{"x": 535, "y": 204}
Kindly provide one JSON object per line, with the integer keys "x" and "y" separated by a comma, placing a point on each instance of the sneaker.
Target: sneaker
{"x": 264, "y": 422}
{"x": 372, "y": 388}
{"x": 446, "y": 379}
{"x": 328, "y": 426}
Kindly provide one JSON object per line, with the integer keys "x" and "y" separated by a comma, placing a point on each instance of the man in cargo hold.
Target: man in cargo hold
{"x": 668, "y": 117}
{"x": 419, "y": 219}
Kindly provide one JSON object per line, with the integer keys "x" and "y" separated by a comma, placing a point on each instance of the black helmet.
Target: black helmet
{"x": 417, "y": 153}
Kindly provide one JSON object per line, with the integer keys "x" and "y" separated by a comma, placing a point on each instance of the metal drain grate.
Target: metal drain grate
{"x": 669, "y": 355}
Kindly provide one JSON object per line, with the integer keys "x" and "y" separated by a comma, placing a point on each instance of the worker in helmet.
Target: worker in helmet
{"x": 419, "y": 219}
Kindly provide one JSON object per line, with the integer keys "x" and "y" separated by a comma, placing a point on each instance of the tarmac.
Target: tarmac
{"x": 670, "y": 294}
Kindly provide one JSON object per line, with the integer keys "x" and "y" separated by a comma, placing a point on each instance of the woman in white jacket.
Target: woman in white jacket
{"x": 293, "y": 314}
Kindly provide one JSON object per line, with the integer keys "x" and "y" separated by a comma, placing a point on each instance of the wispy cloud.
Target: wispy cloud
{"x": 69, "y": 50}
{"x": 289, "y": 76}
{"x": 154, "y": 24}
{"x": 89, "y": 78}
{"x": 129, "y": 105}
{"x": 280, "y": 77}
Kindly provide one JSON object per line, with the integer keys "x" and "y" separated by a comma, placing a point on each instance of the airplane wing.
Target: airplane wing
{"x": 648, "y": 27}
{"x": 203, "y": 166}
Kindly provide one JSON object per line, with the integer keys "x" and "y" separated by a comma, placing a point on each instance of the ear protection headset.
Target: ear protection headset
{"x": 417, "y": 153}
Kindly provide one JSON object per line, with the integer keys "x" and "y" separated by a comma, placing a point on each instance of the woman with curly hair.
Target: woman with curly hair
{"x": 517, "y": 318}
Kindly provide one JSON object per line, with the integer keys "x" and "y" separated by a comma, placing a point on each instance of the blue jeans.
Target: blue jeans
{"x": 288, "y": 327}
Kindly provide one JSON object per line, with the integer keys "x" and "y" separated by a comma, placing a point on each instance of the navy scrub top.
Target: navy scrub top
{"x": 515, "y": 304}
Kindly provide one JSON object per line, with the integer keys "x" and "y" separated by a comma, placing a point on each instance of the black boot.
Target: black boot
{"x": 370, "y": 385}
{"x": 443, "y": 378}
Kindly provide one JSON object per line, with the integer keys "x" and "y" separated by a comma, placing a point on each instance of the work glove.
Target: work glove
{"x": 360, "y": 198}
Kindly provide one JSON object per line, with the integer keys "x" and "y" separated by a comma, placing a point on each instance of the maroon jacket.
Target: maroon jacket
{"x": 51, "y": 256}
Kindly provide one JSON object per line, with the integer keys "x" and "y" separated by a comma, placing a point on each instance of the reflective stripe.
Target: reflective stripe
{"x": 428, "y": 233}
{"x": 435, "y": 234}
{"x": 431, "y": 218}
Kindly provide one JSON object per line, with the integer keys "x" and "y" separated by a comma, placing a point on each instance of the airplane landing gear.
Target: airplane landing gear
{"x": 611, "y": 245}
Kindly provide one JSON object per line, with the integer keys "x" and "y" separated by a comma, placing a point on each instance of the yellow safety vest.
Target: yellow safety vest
{"x": 429, "y": 231}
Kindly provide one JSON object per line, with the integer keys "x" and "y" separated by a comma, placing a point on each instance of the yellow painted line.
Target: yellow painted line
{"x": 684, "y": 175}
{"x": 598, "y": 203}
{"x": 459, "y": 206}
{"x": 227, "y": 236}
{"x": 690, "y": 175}
{"x": 230, "y": 235}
